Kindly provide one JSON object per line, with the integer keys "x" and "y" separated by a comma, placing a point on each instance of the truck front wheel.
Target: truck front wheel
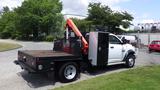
{"x": 130, "y": 61}
{"x": 68, "y": 72}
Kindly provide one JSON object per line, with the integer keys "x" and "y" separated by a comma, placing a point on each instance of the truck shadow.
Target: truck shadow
{"x": 40, "y": 80}
{"x": 36, "y": 80}
{"x": 107, "y": 69}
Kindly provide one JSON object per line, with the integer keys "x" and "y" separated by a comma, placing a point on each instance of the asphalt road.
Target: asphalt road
{"x": 14, "y": 78}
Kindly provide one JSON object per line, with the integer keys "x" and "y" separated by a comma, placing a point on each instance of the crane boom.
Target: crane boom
{"x": 70, "y": 23}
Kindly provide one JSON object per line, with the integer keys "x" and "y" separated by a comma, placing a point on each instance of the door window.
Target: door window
{"x": 114, "y": 40}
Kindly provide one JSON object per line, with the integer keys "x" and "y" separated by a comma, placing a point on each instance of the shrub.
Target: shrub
{"x": 5, "y": 35}
{"x": 49, "y": 38}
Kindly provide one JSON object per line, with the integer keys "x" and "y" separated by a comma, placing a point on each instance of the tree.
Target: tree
{"x": 7, "y": 24}
{"x": 82, "y": 24}
{"x": 39, "y": 17}
{"x": 35, "y": 19}
{"x": 6, "y": 9}
{"x": 105, "y": 18}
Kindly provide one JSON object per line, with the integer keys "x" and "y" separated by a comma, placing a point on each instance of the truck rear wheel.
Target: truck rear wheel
{"x": 130, "y": 61}
{"x": 68, "y": 72}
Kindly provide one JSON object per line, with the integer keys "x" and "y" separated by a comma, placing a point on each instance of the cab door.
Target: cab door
{"x": 115, "y": 49}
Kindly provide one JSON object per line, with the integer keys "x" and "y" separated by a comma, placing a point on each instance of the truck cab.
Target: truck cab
{"x": 107, "y": 49}
{"x": 119, "y": 50}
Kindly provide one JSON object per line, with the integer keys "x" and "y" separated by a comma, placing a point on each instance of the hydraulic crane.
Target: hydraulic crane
{"x": 70, "y": 24}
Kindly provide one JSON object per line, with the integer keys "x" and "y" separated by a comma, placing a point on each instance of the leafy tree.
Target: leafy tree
{"x": 35, "y": 19}
{"x": 7, "y": 24}
{"x": 39, "y": 18}
{"x": 82, "y": 24}
{"x": 6, "y": 9}
{"x": 106, "y": 19}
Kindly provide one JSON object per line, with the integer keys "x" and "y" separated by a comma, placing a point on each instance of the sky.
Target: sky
{"x": 143, "y": 11}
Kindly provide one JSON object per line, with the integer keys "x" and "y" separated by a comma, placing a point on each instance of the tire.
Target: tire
{"x": 130, "y": 61}
{"x": 68, "y": 72}
{"x": 150, "y": 50}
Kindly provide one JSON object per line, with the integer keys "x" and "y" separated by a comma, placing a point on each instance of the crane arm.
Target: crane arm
{"x": 78, "y": 33}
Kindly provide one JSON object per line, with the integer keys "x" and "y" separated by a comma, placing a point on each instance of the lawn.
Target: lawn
{"x": 144, "y": 78}
{"x": 8, "y": 46}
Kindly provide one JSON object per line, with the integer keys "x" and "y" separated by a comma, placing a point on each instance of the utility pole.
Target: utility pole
{"x": 149, "y": 36}
{"x": 138, "y": 41}
{"x": 138, "y": 31}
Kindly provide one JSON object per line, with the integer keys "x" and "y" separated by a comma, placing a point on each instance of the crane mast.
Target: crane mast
{"x": 70, "y": 24}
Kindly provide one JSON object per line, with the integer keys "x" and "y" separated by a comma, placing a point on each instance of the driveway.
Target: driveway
{"x": 14, "y": 78}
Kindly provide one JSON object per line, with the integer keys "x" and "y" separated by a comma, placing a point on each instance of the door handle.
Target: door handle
{"x": 111, "y": 47}
{"x": 99, "y": 48}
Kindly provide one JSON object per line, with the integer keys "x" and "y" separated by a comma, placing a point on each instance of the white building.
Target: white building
{"x": 148, "y": 26}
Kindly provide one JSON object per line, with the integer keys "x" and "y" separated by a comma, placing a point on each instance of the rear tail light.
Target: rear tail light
{"x": 40, "y": 67}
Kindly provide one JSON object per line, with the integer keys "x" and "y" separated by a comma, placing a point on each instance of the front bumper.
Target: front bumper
{"x": 136, "y": 52}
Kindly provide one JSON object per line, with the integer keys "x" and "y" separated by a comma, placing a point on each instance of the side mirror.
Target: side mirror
{"x": 125, "y": 41}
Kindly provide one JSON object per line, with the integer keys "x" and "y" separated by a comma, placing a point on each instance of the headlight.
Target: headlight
{"x": 33, "y": 63}
{"x": 24, "y": 57}
{"x": 40, "y": 67}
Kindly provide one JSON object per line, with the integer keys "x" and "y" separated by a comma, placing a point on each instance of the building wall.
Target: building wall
{"x": 144, "y": 37}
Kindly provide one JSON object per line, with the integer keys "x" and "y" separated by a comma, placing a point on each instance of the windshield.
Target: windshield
{"x": 156, "y": 42}
{"x": 119, "y": 37}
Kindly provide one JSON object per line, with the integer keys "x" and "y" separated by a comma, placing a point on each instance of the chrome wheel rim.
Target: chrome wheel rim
{"x": 70, "y": 72}
{"x": 131, "y": 62}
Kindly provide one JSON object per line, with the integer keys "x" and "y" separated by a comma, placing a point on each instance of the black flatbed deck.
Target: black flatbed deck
{"x": 49, "y": 54}
{"x": 45, "y": 57}
{"x": 46, "y": 53}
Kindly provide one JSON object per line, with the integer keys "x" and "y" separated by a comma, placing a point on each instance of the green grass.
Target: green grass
{"x": 8, "y": 46}
{"x": 145, "y": 78}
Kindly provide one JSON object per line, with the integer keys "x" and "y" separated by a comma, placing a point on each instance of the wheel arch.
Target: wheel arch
{"x": 129, "y": 52}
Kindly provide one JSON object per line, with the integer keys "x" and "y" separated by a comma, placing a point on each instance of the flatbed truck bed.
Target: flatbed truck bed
{"x": 50, "y": 54}
{"x": 43, "y": 61}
